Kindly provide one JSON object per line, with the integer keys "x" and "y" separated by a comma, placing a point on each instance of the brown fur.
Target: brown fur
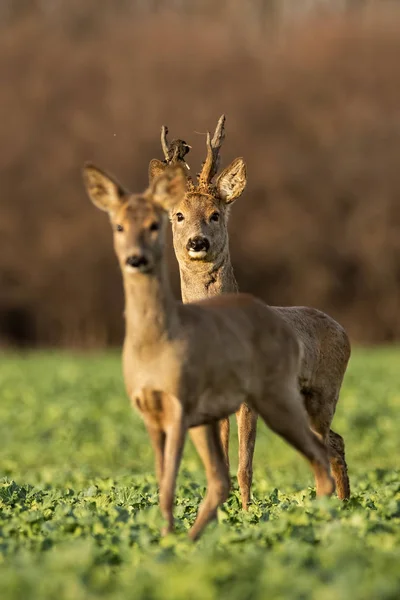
{"x": 326, "y": 347}
{"x": 190, "y": 365}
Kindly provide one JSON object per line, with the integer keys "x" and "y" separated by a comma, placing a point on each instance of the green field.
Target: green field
{"x": 78, "y": 502}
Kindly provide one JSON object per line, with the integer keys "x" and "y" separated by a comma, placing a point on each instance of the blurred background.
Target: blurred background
{"x": 311, "y": 91}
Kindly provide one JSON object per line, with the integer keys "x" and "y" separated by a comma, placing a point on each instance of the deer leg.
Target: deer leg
{"x": 224, "y": 428}
{"x": 175, "y": 439}
{"x": 284, "y": 413}
{"x": 338, "y": 465}
{"x": 157, "y": 437}
{"x": 321, "y": 408}
{"x": 247, "y": 427}
{"x": 207, "y": 442}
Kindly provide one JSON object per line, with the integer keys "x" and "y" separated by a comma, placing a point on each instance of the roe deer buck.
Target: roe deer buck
{"x": 191, "y": 365}
{"x": 200, "y": 237}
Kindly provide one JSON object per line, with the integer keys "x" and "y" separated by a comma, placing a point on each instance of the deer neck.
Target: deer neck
{"x": 151, "y": 314}
{"x": 201, "y": 280}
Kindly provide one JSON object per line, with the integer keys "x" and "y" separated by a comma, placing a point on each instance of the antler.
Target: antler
{"x": 164, "y": 141}
{"x": 211, "y": 164}
{"x": 175, "y": 151}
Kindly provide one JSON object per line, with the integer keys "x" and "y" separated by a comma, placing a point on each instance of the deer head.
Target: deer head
{"x": 199, "y": 220}
{"x": 138, "y": 220}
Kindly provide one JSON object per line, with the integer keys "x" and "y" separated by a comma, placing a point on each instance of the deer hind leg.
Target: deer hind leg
{"x": 338, "y": 465}
{"x": 321, "y": 409}
{"x": 224, "y": 428}
{"x": 247, "y": 428}
{"x": 207, "y": 442}
{"x": 284, "y": 413}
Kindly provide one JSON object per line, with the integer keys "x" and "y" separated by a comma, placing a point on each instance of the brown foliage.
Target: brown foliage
{"x": 315, "y": 111}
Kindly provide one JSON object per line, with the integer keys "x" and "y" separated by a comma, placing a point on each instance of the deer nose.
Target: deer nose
{"x": 198, "y": 243}
{"x": 137, "y": 261}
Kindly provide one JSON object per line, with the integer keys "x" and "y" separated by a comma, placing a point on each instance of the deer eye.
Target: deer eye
{"x": 179, "y": 217}
{"x": 119, "y": 228}
{"x": 154, "y": 226}
{"x": 214, "y": 216}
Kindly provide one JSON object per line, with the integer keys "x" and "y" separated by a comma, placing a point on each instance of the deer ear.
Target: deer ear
{"x": 156, "y": 167}
{"x": 232, "y": 181}
{"x": 169, "y": 188}
{"x": 104, "y": 191}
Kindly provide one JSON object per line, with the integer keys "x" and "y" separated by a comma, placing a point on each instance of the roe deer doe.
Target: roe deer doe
{"x": 200, "y": 237}
{"x": 191, "y": 365}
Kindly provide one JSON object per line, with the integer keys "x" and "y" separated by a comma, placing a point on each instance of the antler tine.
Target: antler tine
{"x": 164, "y": 142}
{"x": 204, "y": 177}
{"x": 211, "y": 163}
{"x": 219, "y": 136}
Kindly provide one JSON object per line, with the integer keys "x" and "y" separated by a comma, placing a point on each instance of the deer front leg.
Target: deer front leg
{"x": 224, "y": 427}
{"x": 247, "y": 428}
{"x": 157, "y": 437}
{"x": 175, "y": 434}
{"x": 207, "y": 442}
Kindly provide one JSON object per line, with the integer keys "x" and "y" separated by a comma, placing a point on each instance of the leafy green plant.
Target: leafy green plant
{"x": 79, "y": 514}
